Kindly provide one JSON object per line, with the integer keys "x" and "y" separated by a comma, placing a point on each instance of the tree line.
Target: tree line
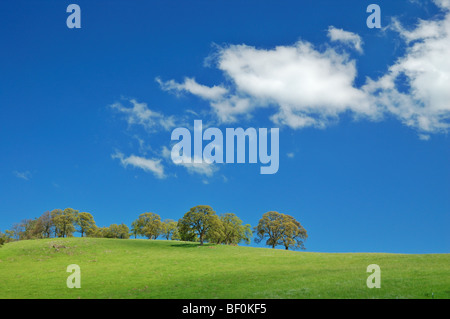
{"x": 200, "y": 224}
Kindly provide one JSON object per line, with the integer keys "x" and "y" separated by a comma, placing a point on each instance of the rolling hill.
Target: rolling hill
{"x": 138, "y": 268}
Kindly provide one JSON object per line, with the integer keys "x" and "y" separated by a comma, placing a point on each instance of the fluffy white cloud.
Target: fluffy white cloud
{"x": 147, "y": 164}
{"x": 140, "y": 114}
{"x": 310, "y": 87}
{"x": 425, "y": 71}
{"x": 444, "y": 4}
{"x": 345, "y": 37}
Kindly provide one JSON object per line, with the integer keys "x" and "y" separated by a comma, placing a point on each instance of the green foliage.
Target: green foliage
{"x": 85, "y": 222}
{"x": 113, "y": 231}
{"x": 148, "y": 225}
{"x": 46, "y": 224}
{"x": 200, "y": 220}
{"x": 63, "y": 221}
{"x": 293, "y": 233}
{"x": 280, "y": 229}
{"x": 169, "y": 229}
{"x": 28, "y": 229}
{"x": 230, "y": 231}
{"x": 135, "y": 228}
{"x": 8, "y": 236}
{"x": 233, "y": 231}
{"x": 176, "y": 234}
{"x": 118, "y": 231}
{"x": 98, "y": 232}
{"x": 187, "y": 234}
{"x": 199, "y": 224}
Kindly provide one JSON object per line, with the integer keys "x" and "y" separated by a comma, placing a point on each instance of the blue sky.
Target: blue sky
{"x": 86, "y": 114}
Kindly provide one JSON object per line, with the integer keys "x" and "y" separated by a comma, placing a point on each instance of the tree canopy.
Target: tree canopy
{"x": 200, "y": 223}
{"x": 169, "y": 229}
{"x": 63, "y": 221}
{"x": 200, "y": 220}
{"x": 280, "y": 229}
{"x": 149, "y": 225}
{"x": 85, "y": 222}
{"x": 230, "y": 231}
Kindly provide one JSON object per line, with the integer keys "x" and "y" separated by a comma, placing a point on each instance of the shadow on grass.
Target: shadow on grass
{"x": 190, "y": 245}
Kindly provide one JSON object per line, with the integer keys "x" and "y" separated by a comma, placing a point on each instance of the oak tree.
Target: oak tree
{"x": 149, "y": 225}
{"x": 280, "y": 229}
{"x": 198, "y": 220}
{"x": 85, "y": 222}
{"x": 169, "y": 228}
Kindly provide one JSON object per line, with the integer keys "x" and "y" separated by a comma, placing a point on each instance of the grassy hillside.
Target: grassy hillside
{"x": 114, "y": 268}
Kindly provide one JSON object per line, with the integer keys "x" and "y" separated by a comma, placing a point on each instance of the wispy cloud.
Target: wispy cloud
{"x": 147, "y": 164}
{"x": 346, "y": 37}
{"x": 191, "y": 86}
{"x": 26, "y": 175}
{"x": 203, "y": 168}
{"x": 424, "y": 137}
{"x": 141, "y": 114}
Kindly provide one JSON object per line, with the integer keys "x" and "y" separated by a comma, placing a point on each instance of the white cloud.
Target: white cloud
{"x": 200, "y": 168}
{"x": 290, "y": 155}
{"x": 345, "y": 37}
{"x": 444, "y": 4}
{"x": 203, "y": 168}
{"x": 147, "y": 164}
{"x": 165, "y": 152}
{"x": 140, "y": 114}
{"x": 308, "y": 87}
{"x": 228, "y": 109}
{"x": 191, "y": 86}
{"x": 299, "y": 79}
{"x": 425, "y": 67}
{"x": 23, "y": 175}
{"x": 424, "y": 137}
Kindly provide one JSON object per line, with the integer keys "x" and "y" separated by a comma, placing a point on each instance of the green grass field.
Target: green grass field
{"x": 114, "y": 268}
